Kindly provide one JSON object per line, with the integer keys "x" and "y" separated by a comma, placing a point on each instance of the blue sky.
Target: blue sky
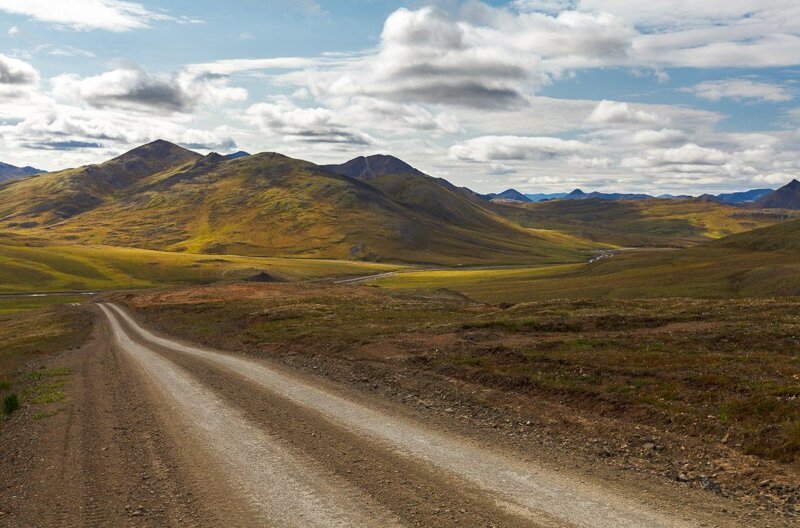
{"x": 540, "y": 95}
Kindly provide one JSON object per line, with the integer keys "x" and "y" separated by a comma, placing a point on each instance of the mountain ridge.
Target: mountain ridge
{"x": 787, "y": 197}
{"x": 161, "y": 196}
{"x": 11, "y": 172}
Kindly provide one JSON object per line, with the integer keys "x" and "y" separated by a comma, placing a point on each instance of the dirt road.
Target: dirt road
{"x": 166, "y": 433}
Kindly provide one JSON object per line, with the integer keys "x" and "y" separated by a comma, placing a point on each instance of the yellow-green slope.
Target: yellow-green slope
{"x": 645, "y": 223}
{"x": 272, "y": 205}
{"x": 35, "y": 265}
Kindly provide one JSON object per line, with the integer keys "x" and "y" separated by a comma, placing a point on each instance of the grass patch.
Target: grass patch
{"x": 48, "y": 385}
{"x": 34, "y": 333}
{"x": 38, "y": 375}
{"x": 10, "y": 404}
{"x": 35, "y": 265}
{"x": 9, "y": 305}
{"x": 41, "y": 415}
{"x": 701, "y": 272}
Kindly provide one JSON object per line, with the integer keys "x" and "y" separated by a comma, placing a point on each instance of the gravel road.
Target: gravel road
{"x": 161, "y": 432}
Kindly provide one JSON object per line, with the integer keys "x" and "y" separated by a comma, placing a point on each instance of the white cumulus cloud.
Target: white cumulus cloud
{"x": 741, "y": 90}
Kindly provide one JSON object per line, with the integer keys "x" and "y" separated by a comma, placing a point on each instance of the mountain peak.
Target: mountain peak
{"x": 159, "y": 148}
{"x": 366, "y": 167}
{"x": 148, "y": 159}
{"x": 787, "y": 197}
{"x": 511, "y": 195}
{"x": 10, "y": 172}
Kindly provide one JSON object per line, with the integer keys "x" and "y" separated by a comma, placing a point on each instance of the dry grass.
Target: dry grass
{"x": 708, "y": 368}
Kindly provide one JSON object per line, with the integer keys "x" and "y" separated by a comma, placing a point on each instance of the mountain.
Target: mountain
{"x": 787, "y": 197}
{"x": 416, "y": 190}
{"x": 578, "y": 194}
{"x": 57, "y": 196}
{"x": 10, "y": 172}
{"x": 163, "y": 197}
{"x": 365, "y": 168}
{"x": 540, "y": 197}
{"x": 512, "y": 195}
{"x": 237, "y": 155}
{"x": 741, "y": 197}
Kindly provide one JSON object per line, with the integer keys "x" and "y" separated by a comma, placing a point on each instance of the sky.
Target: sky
{"x": 663, "y": 96}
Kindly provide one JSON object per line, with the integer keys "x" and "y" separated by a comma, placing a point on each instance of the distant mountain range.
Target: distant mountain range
{"x": 743, "y": 197}
{"x": 512, "y": 195}
{"x": 10, "y": 172}
{"x": 541, "y": 197}
{"x": 578, "y": 194}
{"x": 739, "y": 197}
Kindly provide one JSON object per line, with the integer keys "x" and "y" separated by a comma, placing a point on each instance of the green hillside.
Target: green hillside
{"x": 33, "y": 265}
{"x": 782, "y": 237}
{"x": 267, "y": 205}
{"x": 759, "y": 263}
{"x": 644, "y": 223}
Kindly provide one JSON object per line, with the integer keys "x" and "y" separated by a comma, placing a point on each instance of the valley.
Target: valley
{"x": 231, "y": 332}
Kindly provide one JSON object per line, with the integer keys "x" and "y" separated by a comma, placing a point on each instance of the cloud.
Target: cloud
{"x": 484, "y": 58}
{"x": 15, "y": 72}
{"x": 689, "y": 157}
{"x": 741, "y": 90}
{"x": 228, "y": 67}
{"x": 48, "y": 126}
{"x": 64, "y": 51}
{"x": 135, "y": 88}
{"x": 615, "y": 113}
{"x": 109, "y": 15}
{"x": 624, "y": 138}
{"x": 663, "y": 137}
{"x": 506, "y": 148}
{"x": 70, "y": 144}
{"x": 309, "y": 125}
{"x": 544, "y": 6}
{"x": 14, "y": 31}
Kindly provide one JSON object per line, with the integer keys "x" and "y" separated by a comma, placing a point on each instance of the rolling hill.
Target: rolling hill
{"x": 36, "y": 265}
{"x": 162, "y": 197}
{"x": 643, "y": 223}
{"x": 784, "y": 237}
{"x": 759, "y": 263}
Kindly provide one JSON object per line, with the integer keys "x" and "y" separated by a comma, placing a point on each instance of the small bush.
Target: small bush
{"x": 10, "y": 404}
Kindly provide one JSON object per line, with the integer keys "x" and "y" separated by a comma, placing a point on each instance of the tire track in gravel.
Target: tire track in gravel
{"x": 276, "y": 486}
{"x": 543, "y": 496}
{"x": 416, "y": 492}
